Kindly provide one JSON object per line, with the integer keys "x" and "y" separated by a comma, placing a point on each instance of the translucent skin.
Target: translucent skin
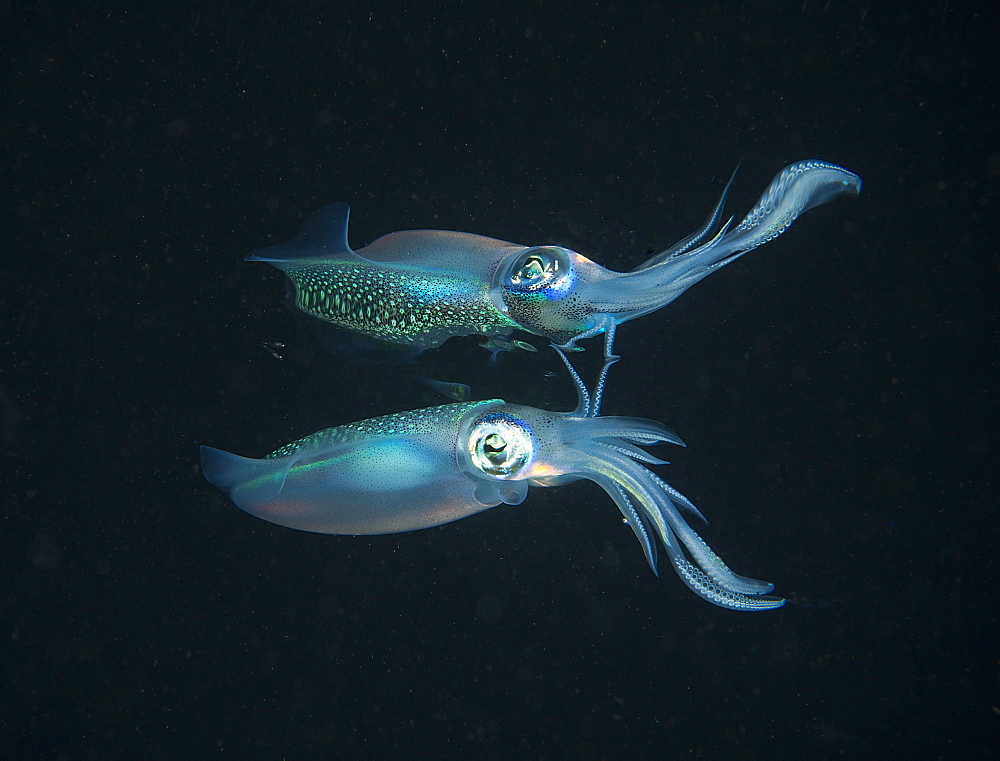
{"x": 419, "y": 288}
{"x": 423, "y": 468}
{"x": 379, "y": 476}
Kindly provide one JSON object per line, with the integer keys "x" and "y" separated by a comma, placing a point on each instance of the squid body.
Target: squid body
{"x": 419, "y": 288}
{"x": 413, "y": 470}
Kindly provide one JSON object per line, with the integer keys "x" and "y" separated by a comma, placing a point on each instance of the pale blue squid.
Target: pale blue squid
{"x": 414, "y": 470}
{"x": 418, "y": 288}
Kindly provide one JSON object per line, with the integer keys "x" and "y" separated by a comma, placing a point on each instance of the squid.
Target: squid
{"x": 422, "y": 468}
{"x": 416, "y": 289}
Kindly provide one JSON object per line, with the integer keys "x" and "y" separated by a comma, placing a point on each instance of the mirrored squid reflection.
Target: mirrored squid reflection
{"x": 423, "y": 468}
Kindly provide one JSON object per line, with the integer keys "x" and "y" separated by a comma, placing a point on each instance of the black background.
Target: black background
{"x": 836, "y": 388}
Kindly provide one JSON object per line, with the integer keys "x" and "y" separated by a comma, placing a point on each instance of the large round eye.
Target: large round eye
{"x": 534, "y": 269}
{"x": 501, "y": 445}
{"x": 544, "y": 269}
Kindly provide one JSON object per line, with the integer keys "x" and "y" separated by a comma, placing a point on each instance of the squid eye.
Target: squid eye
{"x": 532, "y": 269}
{"x": 501, "y": 445}
{"x": 541, "y": 269}
{"x": 493, "y": 447}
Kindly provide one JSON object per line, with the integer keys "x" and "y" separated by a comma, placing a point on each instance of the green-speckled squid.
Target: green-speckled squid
{"x": 419, "y": 288}
{"x": 413, "y": 470}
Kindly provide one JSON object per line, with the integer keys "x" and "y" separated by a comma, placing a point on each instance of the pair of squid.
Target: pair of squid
{"x": 423, "y": 468}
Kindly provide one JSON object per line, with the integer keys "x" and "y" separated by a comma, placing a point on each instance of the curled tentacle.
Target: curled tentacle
{"x": 711, "y": 578}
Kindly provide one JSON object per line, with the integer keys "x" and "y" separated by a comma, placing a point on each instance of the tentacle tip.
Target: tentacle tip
{"x": 752, "y": 604}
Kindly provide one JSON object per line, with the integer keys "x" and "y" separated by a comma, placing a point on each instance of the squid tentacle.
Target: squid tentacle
{"x": 691, "y": 241}
{"x": 631, "y": 451}
{"x": 634, "y": 518}
{"x": 714, "y": 581}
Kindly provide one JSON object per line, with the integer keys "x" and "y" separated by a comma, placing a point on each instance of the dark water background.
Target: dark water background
{"x": 837, "y": 388}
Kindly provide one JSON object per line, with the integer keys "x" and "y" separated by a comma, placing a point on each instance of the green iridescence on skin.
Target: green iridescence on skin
{"x": 398, "y": 424}
{"x": 532, "y": 297}
{"x": 396, "y": 305}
